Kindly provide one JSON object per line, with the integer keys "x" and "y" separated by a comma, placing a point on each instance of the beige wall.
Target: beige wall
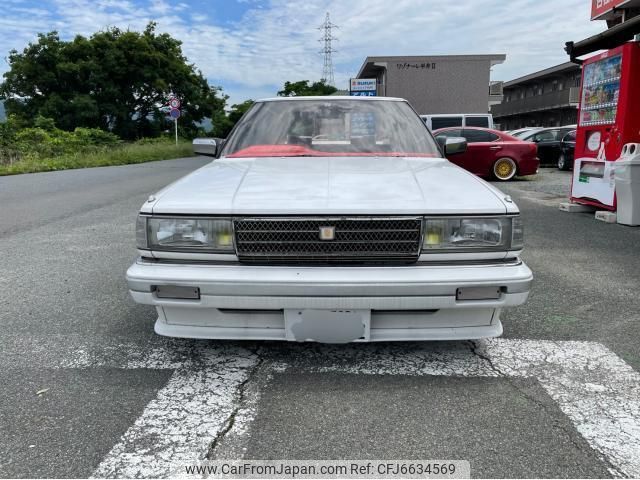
{"x": 455, "y": 85}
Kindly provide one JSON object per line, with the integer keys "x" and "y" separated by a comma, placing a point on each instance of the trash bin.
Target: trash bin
{"x": 627, "y": 178}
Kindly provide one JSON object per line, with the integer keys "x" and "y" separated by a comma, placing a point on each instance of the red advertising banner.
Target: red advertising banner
{"x": 600, "y": 7}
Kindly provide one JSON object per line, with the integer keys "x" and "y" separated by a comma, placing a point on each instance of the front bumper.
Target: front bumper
{"x": 415, "y": 302}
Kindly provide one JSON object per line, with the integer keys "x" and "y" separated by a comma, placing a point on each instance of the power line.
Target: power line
{"x": 327, "y": 38}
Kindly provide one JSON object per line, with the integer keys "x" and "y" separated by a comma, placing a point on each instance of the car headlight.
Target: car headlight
{"x": 209, "y": 235}
{"x": 473, "y": 234}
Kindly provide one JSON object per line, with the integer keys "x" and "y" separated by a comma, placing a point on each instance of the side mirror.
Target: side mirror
{"x": 205, "y": 146}
{"x": 455, "y": 145}
{"x": 442, "y": 142}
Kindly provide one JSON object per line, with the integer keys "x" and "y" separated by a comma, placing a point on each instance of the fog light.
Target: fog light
{"x": 225, "y": 239}
{"x": 177, "y": 292}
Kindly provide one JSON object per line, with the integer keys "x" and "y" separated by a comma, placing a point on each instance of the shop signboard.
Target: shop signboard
{"x": 363, "y": 87}
{"x": 601, "y": 7}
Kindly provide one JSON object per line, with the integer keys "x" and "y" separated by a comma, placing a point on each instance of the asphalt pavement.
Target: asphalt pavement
{"x": 587, "y": 272}
{"x": 88, "y": 388}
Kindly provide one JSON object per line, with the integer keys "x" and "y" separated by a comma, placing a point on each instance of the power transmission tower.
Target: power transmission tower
{"x": 327, "y": 38}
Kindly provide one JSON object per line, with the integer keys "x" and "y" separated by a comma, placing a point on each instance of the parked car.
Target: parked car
{"x": 549, "y": 141}
{"x": 435, "y": 122}
{"x": 519, "y": 133}
{"x": 492, "y": 153}
{"x": 567, "y": 150}
{"x": 330, "y": 219}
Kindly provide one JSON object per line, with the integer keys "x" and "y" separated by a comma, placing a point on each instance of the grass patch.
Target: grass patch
{"x": 100, "y": 157}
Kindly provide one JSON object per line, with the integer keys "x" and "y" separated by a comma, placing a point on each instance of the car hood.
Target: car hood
{"x": 330, "y": 185}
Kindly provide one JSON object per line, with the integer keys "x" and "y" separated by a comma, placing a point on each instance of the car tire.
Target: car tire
{"x": 563, "y": 163}
{"x": 504, "y": 169}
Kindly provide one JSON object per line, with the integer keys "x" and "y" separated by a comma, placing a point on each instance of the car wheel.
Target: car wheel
{"x": 504, "y": 169}
{"x": 563, "y": 163}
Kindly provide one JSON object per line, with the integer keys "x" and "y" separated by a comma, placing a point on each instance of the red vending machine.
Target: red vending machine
{"x": 608, "y": 118}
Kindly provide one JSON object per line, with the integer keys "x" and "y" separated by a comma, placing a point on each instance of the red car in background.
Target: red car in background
{"x": 491, "y": 153}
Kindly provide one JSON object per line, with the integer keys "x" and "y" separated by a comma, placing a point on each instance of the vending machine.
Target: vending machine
{"x": 608, "y": 118}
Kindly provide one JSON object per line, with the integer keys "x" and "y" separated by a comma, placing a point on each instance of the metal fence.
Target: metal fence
{"x": 561, "y": 98}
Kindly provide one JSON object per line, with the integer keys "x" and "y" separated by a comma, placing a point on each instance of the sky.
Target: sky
{"x": 251, "y": 47}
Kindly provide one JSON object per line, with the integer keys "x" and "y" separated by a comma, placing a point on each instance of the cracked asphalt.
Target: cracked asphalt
{"x": 88, "y": 388}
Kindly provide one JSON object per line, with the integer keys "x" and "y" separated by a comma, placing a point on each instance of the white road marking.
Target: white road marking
{"x": 178, "y": 426}
{"x": 596, "y": 389}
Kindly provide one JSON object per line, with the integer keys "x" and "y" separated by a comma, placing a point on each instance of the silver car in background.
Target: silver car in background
{"x": 330, "y": 219}
{"x": 522, "y": 132}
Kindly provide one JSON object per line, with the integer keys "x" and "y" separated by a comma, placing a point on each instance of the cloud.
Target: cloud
{"x": 160, "y": 7}
{"x": 254, "y": 46}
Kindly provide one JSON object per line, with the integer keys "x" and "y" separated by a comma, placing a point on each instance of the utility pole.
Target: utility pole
{"x": 327, "y": 38}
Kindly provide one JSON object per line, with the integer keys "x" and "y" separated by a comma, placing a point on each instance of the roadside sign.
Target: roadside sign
{"x": 174, "y": 113}
{"x": 174, "y": 103}
{"x": 362, "y": 84}
{"x": 362, "y": 87}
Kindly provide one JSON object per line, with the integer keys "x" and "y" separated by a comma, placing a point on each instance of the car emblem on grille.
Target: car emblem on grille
{"x": 327, "y": 233}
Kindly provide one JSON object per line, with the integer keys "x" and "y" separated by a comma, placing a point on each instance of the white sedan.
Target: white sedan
{"x": 330, "y": 219}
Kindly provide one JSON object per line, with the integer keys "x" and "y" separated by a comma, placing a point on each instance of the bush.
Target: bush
{"x": 101, "y": 157}
{"x": 8, "y": 130}
{"x": 36, "y": 142}
{"x": 45, "y": 141}
{"x": 94, "y": 137}
{"x": 44, "y": 147}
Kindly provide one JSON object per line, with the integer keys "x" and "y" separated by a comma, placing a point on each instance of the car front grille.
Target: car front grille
{"x": 298, "y": 240}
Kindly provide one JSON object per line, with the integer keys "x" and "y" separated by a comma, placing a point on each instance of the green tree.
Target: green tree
{"x": 223, "y": 123}
{"x": 302, "y": 88}
{"x": 238, "y": 110}
{"x": 115, "y": 80}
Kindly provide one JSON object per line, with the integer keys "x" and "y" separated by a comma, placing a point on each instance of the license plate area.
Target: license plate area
{"x": 478, "y": 293}
{"x": 327, "y": 326}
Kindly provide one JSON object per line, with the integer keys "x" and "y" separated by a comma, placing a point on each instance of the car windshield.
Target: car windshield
{"x": 327, "y": 127}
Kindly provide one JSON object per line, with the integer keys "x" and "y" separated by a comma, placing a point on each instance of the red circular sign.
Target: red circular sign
{"x": 174, "y": 103}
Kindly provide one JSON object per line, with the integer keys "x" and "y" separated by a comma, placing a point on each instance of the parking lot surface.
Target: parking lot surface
{"x": 89, "y": 389}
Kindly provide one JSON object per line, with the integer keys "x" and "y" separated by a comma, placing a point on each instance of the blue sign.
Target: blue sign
{"x": 175, "y": 113}
{"x": 365, "y": 93}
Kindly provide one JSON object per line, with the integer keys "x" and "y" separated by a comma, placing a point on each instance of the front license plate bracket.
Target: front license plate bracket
{"x": 327, "y": 326}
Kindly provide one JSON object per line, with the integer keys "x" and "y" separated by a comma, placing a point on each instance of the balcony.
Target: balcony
{"x": 548, "y": 101}
{"x": 496, "y": 89}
